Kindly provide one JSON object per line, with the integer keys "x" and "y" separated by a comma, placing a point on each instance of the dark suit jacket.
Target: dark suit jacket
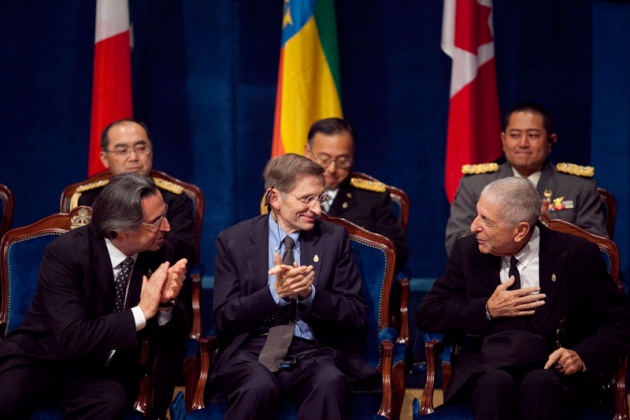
{"x": 586, "y": 213}
{"x": 572, "y": 275}
{"x": 243, "y": 305}
{"x": 179, "y": 215}
{"x": 72, "y": 321}
{"x": 372, "y": 211}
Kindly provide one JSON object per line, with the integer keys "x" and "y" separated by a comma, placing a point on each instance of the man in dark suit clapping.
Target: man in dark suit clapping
{"x": 312, "y": 293}
{"x": 103, "y": 289}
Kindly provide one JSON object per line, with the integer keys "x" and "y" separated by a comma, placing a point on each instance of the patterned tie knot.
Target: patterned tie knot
{"x": 289, "y": 244}
{"x": 120, "y": 283}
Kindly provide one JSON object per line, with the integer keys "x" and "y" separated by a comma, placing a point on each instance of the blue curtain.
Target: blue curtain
{"x": 204, "y": 75}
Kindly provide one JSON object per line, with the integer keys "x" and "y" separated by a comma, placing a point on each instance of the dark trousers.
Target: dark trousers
{"x": 26, "y": 386}
{"x": 315, "y": 386}
{"x": 537, "y": 394}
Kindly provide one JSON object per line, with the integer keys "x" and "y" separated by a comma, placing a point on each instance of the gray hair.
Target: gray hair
{"x": 118, "y": 208}
{"x": 283, "y": 172}
{"x": 517, "y": 197}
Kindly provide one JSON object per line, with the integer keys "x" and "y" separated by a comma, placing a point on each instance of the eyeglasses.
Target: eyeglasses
{"x": 343, "y": 161}
{"x": 311, "y": 198}
{"x": 158, "y": 221}
{"x": 141, "y": 149}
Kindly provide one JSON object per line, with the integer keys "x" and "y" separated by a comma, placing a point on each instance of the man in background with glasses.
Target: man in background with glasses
{"x": 287, "y": 305}
{"x": 331, "y": 144}
{"x": 126, "y": 147}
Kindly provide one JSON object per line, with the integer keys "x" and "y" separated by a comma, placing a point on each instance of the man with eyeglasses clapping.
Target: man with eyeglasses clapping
{"x": 287, "y": 306}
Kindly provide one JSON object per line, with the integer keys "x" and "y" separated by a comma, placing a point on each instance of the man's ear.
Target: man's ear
{"x": 521, "y": 230}
{"x": 104, "y": 161}
{"x": 272, "y": 198}
{"x": 553, "y": 139}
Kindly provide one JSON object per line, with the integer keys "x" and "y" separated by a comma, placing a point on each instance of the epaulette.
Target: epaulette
{"x": 74, "y": 200}
{"x": 168, "y": 186}
{"x": 578, "y": 170}
{"x": 480, "y": 168}
{"x": 91, "y": 185}
{"x": 366, "y": 184}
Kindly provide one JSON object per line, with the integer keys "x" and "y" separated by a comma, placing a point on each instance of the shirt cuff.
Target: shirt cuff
{"x": 164, "y": 315}
{"x": 308, "y": 300}
{"x": 276, "y": 297}
{"x": 139, "y": 318}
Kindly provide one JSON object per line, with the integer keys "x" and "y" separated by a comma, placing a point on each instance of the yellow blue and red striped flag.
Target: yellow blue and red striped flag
{"x": 308, "y": 75}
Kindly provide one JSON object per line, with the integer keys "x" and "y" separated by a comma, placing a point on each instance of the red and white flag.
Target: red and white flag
{"x": 111, "y": 88}
{"x": 474, "y": 123}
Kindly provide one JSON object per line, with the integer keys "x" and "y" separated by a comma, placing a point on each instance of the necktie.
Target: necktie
{"x": 120, "y": 283}
{"x": 280, "y": 335}
{"x": 514, "y": 272}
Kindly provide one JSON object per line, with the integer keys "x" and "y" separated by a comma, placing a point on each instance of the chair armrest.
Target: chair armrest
{"x": 399, "y": 377}
{"x": 196, "y": 275}
{"x": 387, "y": 356}
{"x": 144, "y": 389}
{"x": 191, "y": 370}
{"x": 403, "y": 281}
{"x": 432, "y": 348}
{"x": 207, "y": 346}
{"x": 621, "y": 394}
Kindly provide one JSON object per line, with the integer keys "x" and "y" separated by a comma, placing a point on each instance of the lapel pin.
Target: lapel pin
{"x": 553, "y": 277}
{"x": 316, "y": 258}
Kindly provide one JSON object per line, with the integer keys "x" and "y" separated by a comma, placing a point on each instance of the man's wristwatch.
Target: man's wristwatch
{"x": 167, "y": 305}
{"x": 488, "y": 316}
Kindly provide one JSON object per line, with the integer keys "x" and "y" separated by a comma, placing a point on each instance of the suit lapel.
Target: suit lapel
{"x": 257, "y": 253}
{"x": 552, "y": 268}
{"x": 487, "y": 269}
{"x": 103, "y": 275}
{"x": 311, "y": 253}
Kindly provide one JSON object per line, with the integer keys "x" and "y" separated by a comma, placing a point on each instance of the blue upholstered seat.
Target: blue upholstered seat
{"x": 375, "y": 258}
{"x": 22, "y": 250}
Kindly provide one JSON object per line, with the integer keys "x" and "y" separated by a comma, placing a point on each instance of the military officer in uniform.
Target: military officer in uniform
{"x": 568, "y": 191}
{"x": 365, "y": 203}
{"x": 126, "y": 147}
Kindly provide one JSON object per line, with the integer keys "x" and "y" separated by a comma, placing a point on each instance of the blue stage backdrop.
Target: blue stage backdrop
{"x": 204, "y": 77}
